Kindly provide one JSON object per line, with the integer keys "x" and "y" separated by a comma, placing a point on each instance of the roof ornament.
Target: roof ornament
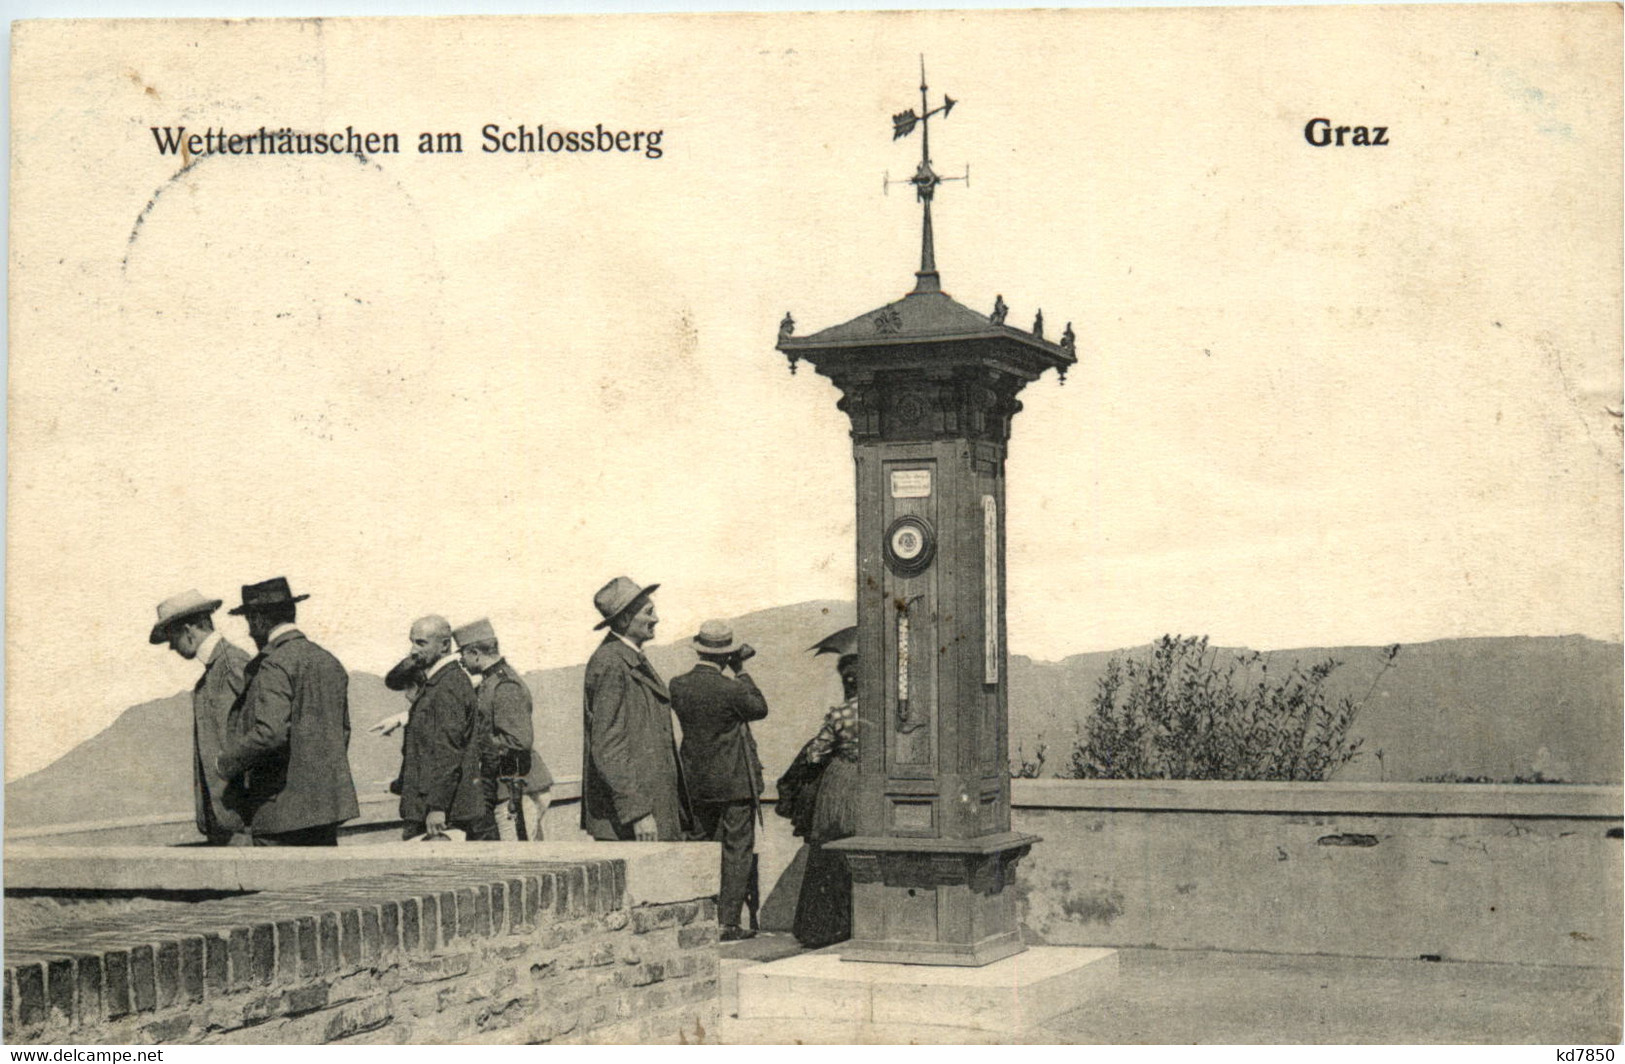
{"x": 787, "y": 329}
{"x": 934, "y": 327}
{"x": 925, "y": 179}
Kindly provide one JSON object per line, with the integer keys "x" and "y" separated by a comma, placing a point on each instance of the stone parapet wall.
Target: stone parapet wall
{"x": 379, "y": 821}
{"x": 1514, "y": 874}
{"x": 1502, "y": 800}
{"x": 499, "y": 951}
{"x": 1518, "y": 874}
{"x": 1506, "y": 890}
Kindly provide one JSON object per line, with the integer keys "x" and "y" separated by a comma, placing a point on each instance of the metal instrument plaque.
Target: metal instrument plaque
{"x": 911, "y": 484}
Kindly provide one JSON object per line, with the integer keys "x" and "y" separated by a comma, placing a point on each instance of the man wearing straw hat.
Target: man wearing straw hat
{"x": 289, "y": 750}
{"x": 720, "y": 763}
{"x": 186, "y": 623}
{"x": 631, "y": 780}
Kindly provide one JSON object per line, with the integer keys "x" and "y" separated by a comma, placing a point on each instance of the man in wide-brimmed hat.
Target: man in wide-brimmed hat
{"x": 719, "y": 757}
{"x": 516, "y": 778}
{"x": 289, "y": 751}
{"x": 186, "y": 623}
{"x": 631, "y": 780}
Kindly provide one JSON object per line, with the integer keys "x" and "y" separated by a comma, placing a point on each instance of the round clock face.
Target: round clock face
{"x": 910, "y": 545}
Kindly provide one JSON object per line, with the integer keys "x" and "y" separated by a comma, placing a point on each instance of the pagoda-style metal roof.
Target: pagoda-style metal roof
{"x": 922, "y": 317}
{"x": 926, "y": 318}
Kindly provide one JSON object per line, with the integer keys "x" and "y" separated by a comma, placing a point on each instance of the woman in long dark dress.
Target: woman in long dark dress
{"x": 824, "y": 907}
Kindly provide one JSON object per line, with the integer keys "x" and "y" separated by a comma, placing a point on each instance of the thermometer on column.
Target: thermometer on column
{"x": 905, "y": 722}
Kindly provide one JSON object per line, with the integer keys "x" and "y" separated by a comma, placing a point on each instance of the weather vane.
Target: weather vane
{"x": 925, "y": 179}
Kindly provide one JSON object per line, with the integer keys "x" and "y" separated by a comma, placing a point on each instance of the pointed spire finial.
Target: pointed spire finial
{"x": 925, "y": 179}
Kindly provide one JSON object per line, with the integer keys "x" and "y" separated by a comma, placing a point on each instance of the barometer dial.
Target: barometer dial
{"x": 910, "y": 544}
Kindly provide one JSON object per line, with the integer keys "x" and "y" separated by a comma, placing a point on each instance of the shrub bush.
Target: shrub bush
{"x": 1180, "y": 714}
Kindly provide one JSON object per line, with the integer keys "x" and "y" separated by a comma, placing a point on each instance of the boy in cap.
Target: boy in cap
{"x": 516, "y": 779}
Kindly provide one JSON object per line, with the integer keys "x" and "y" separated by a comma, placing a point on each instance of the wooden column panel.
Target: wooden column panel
{"x": 930, "y": 389}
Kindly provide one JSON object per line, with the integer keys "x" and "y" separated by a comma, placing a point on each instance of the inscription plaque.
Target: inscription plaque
{"x": 911, "y": 484}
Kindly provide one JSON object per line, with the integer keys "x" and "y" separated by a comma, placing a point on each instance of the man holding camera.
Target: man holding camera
{"x": 719, "y": 757}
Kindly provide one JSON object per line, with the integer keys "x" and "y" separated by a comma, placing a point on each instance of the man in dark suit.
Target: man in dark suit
{"x": 186, "y": 623}
{"x": 719, "y": 759}
{"x": 509, "y": 764}
{"x": 631, "y": 780}
{"x": 289, "y": 752}
{"x": 440, "y": 753}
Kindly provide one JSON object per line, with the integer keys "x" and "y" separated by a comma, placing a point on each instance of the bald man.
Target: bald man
{"x": 440, "y": 784}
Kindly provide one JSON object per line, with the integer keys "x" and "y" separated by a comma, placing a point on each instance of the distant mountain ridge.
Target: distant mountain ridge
{"x": 1495, "y": 707}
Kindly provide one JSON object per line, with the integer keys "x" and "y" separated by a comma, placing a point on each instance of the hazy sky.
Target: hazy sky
{"x": 1325, "y": 395}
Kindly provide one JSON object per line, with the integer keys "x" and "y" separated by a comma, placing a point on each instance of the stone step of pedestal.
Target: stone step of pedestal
{"x": 1010, "y": 995}
{"x": 735, "y": 1031}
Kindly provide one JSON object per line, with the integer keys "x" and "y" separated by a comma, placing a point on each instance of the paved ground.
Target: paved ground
{"x": 1164, "y": 996}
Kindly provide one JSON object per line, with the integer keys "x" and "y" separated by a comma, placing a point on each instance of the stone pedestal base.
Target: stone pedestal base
{"x": 933, "y": 901}
{"x": 1007, "y": 996}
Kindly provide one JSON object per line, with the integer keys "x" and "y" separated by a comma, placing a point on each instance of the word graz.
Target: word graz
{"x": 1319, "y": 132}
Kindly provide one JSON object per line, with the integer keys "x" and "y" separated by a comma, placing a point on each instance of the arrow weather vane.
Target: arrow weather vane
{"x": 925, "y": 179}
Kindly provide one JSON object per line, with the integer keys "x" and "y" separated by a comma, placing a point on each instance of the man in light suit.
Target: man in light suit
{"x": 186, "y": 623}
{"x": 631, "y": 780}
{"x": 720, "y": 762}
{"x": 289, "y": 748}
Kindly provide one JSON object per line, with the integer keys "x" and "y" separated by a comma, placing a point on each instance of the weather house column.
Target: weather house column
{"x": 930, "y": 387}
